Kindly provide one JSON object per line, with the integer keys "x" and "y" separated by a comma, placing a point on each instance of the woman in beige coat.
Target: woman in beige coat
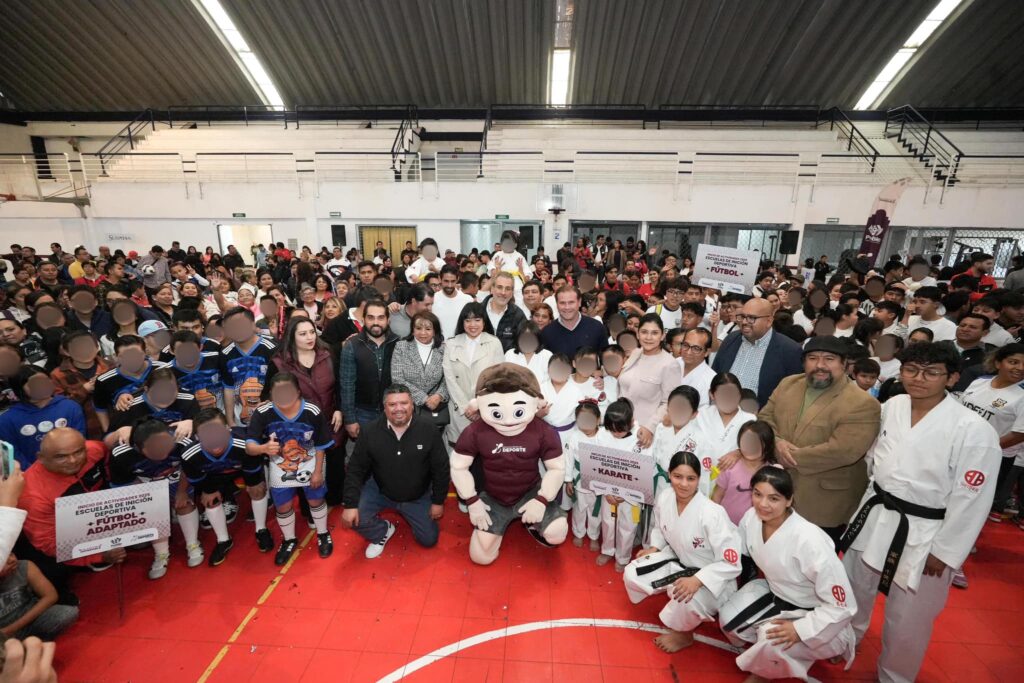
{"x": 473, "y": 348}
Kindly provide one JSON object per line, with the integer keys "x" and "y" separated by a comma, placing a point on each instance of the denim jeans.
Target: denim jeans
{"x": 415, "y": 512}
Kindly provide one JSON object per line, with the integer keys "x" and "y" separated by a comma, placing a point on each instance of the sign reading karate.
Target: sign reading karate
{"x": 617, "y": 472}
{"x": 726, "y": 269}
{"x": 92, "y": 523}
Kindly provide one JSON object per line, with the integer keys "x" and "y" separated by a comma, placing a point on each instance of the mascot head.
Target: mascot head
{"x": 508, "y": 397}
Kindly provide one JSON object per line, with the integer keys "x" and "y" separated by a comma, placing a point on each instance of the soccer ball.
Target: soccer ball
{"x": 303, "y": 476}
{"x": 148, "y": 269}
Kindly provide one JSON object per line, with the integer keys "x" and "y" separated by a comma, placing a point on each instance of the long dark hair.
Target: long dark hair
{"x": 685, "y": 458}
{"x": 777, "y": 477}
{"x": 288, "y": 338}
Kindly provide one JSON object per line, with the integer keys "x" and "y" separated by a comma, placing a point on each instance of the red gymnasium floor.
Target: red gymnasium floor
{"x": 352, "y": 619}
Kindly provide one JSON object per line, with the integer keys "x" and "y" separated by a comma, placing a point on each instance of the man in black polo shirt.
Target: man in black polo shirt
{"x": 572, "y": 330}
{"x": 403, "y": 462}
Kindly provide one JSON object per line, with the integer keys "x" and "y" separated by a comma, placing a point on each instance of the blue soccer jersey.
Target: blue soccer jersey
{"x": 299, "y": 438}
{"x": 246, "y": 372}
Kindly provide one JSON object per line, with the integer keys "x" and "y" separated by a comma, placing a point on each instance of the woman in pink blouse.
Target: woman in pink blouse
{"x": 648, "y": 377}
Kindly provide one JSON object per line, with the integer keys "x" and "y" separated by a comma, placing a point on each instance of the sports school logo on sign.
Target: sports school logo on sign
{"x": 92, "y": 523}
{"x": 839, "y": 593}
{"x": 726, "y": 269}
{"x": 617, "y": 472}
{"x": 731, "y": 556}
{"x": 974, "y": 479}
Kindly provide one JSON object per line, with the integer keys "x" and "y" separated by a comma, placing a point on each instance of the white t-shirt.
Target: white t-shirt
{"x": 447, "y": 310}
{"x": 538, "y": 365}
{"x": 671, "y": 319}
{"x": 912, "y": 286}
{"x": 1003, "y": 408}
{"x": 997, "y": 336}
{"x": 942, "y": 329}
{"x": 889, "y": 368}
{"x": 700, "y": 379}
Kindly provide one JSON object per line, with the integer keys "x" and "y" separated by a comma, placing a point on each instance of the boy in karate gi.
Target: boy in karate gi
{"x": 933, "y": 470}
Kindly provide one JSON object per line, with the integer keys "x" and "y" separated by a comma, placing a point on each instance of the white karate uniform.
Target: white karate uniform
{"x": 800, "y": 567}
{"x": 516, "y": 264}
{"x": 701, "y": 537}
{"x": 888, "y": 368}
{"x": 538, "y": 365}
{"x": 561, "y": 405}
{"x": 586, "y": 514}
{"x": 420, "y": 267}
{"x": 948, "y": 460}
{"x": 619, "y": 523}
{"x": 667, "y": 442}
{"x": 589, "y": 390}
{"x": 718, "y": 439}
{"x": 700, "y": 379}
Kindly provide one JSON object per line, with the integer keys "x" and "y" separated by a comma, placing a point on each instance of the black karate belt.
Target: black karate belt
{"x": 671, "y": 578}
{"x": 899, "y": 539}
{"x": 753, "y": 612}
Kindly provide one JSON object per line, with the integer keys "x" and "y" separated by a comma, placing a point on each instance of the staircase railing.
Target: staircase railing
{"x": 856, "y": 141}
{"x": 400, "y": 147}
{"x": 922, "y": 139}
{"x": 127, "y": 136}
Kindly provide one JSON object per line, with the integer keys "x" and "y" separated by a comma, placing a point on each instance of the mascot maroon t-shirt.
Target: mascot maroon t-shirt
{"x": 510, "y": 462}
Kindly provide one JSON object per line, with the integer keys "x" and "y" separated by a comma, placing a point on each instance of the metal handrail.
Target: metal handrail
{"x": 253, "y": 112}
{"x": 127, "y": 135}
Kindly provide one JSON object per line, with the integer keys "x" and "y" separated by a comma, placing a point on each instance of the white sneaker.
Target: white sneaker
{"x": 195, "y": 555}
{"x": 159, "y": 566}
{"x": 374, "y": 550}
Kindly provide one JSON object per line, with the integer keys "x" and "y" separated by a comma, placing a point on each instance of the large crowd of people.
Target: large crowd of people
{"x": 836, "y": 432}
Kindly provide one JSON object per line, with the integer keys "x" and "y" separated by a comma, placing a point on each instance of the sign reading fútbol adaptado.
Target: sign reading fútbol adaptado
{"x": 92, "y": 523}
{"x": 726, "y": 269}
{"x": 617, "y": 472}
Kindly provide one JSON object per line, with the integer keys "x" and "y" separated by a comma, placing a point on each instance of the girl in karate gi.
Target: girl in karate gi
{"x": 698, "y": 540}
{"x": 619, "y": 518}
{"x": 679, "y": 434}
{"x": 612, "y": 360}
{"x": 562, "y": 395}
{"x": 586, "y": 512}
{"x": 801, "y": 610}
{"x": 585, "y": 377}
{"x": 429, "y": 261}
{"x": 720, "y": 425}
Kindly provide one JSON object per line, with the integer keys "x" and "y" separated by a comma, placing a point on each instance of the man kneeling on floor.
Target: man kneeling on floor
{"x": 399, "y": 462}
{"x": 511, "y": 443}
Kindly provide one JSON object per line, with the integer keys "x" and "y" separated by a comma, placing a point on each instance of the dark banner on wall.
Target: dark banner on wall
{"x": 878, "y": 221}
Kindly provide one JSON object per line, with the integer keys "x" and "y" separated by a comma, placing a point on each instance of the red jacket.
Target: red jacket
{"x": 43, "y": 488}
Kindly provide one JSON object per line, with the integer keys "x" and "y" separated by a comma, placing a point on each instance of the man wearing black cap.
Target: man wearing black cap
{"x": 824, "y": 424}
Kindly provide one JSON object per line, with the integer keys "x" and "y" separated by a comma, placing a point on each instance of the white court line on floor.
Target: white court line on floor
{"x": 447, "y": 650}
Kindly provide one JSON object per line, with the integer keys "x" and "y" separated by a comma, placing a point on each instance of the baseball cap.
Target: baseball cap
{"x": 151, "y": 327}
{"x": 133, "y": 254}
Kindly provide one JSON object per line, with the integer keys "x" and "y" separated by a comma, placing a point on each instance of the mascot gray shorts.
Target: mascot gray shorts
{"x": 503, "y": 515}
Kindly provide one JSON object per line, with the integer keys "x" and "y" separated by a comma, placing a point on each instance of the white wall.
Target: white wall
{"x": 158, "y": 213}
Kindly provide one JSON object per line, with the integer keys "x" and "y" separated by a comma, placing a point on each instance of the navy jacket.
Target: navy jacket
{"x": 784, "y": 357}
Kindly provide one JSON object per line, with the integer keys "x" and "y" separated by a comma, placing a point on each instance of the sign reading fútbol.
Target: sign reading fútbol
{"x": 617, "y": 472}
{"x": 92, "y": 523}
{"x": 726, "y": 269}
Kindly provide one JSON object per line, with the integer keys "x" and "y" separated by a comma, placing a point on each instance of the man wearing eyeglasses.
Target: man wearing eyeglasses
{"x": 758, "y": 357}
{"x": 933, "y": 474}
{"x": 695, "y": 346}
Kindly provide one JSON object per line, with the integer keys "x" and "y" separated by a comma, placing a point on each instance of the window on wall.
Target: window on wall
{"x": 682, "y": 238}
{"x": 831, "y": 240}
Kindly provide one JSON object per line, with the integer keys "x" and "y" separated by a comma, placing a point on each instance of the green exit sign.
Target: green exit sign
{"x": 501, "y": 216}
{"x": 238, "y": 215}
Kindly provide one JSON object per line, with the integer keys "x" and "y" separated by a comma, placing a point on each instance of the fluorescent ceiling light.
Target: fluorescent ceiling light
{"x": 247, "y": 61}
{"x": 560, "y": 77}
{"x": 895, "y": 68}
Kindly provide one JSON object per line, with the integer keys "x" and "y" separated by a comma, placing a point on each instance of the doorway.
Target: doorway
{"x": 481, "y": 235}
{"x": 394, "y": 238}
{"x": 244, "y": 237}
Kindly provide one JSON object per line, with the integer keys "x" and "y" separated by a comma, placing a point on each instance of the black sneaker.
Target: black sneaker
{"x": 264, "y": 541}
{"x": 204, "y": 521}
{"x": 230, "y": 511}
{"x": 220, "y": 552}
{"x": 285, "y": 552}
{"x": 325, "y": 544}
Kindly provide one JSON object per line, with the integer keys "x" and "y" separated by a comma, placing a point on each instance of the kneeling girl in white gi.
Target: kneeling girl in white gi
{"x": 801, "y": 611}
{"x": 693, "y": 556}
{"x": 678, "y": 432}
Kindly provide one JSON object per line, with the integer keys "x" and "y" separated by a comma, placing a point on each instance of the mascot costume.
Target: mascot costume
{"x": 511, "y": 261}
{"x": 509, "y": 441}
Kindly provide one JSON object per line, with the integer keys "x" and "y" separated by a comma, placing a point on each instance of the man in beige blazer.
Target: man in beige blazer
{"x": 824, "y": 424}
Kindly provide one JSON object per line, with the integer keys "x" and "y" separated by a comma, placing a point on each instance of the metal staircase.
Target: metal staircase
{"x": 919, "y": 137}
